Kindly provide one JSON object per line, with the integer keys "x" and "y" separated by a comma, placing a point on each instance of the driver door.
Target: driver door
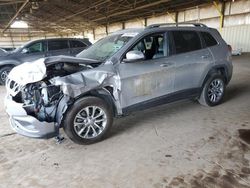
{"x": 148, "y": 80}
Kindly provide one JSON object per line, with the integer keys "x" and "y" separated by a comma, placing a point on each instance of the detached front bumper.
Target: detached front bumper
{"x": 27, "y": 125}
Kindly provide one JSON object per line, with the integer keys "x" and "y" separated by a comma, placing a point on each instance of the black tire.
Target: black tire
{"x": 204, "y": 98}
{"x": 4, "y": 71}
{"x": 73, "y": 132}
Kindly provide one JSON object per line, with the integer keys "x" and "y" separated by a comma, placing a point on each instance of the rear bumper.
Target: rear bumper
{"x": 27, "y": 125}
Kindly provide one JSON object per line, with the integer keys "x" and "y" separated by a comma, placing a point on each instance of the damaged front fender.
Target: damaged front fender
{"x": 79, "y": 83}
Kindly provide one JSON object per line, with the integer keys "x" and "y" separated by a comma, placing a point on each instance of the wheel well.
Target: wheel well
{"x": 103, "y": 94}
{"x": 223, "y": 72}
{"x": 6, "y": 65}
{"x": 220, "y": 70}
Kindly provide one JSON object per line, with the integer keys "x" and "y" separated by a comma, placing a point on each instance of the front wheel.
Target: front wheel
{"x": 88, "y": 121}
{"x": 4, "y": 73}
{"x": 213, "y": 91}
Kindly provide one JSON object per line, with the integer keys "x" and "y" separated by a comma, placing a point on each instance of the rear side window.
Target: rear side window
{"x": 208, "y": 39}
{"x": 186, "y": 41}
{"x": 77, "y": 44}
{"x": 57, "y": 44}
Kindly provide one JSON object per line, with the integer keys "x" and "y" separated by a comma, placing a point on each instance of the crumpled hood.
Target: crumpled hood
{"x": 35, "y": 71}
{"x": 29, "y": 72}
{"x": 70, "y": 59}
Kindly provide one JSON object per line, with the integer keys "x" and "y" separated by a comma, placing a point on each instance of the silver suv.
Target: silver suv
{"x": 129, "y": 70}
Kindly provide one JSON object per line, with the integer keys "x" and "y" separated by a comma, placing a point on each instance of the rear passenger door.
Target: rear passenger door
{"x": 58, "y": 47}
{"x": 191, "y": 60}
{"x": 76, "y": 46}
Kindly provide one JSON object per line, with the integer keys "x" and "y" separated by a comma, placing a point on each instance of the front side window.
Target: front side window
{"x": 106, "y": 47}
{"x": 186, "y": 41}
{"x": 208, "y": 39}
{"x": 36, "y": 47}
{"x": 57, "y": 45}
{"x": 151, "y": 46}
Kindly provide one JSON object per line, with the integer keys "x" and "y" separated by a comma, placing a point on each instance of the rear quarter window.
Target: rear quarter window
{"x": 186, "y": 41}
{"x": 208, "y": 39}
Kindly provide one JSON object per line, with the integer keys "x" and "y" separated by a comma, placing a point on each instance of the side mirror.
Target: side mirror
{"x": 24, "y": 51}
{"x": 134, "y": 55}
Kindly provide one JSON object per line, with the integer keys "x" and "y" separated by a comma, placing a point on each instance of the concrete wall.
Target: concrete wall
{"x": 238, "y": 37}
{"x": 236, "y": 14}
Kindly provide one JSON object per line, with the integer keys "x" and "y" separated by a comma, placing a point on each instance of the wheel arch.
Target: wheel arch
{"x": 219, "y": 69}
{"x": 105, "y": 94}
{"x": 7, "y": 65}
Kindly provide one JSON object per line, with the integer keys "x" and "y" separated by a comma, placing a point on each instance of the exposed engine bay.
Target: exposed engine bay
{"x": 41, "y": 99}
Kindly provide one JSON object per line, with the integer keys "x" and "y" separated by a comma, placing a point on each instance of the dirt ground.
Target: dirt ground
{"x": 182, "y": 144}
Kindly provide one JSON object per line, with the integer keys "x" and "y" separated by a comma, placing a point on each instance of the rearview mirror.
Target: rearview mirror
{"x": 24, "y": 51}
{"x": 134, "y": 55}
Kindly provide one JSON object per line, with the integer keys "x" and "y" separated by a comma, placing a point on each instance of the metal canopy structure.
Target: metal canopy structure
{"x": 67, "y": 16}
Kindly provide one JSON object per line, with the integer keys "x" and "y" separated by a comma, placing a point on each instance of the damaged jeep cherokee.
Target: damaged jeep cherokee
{"x": 128, "y": 70}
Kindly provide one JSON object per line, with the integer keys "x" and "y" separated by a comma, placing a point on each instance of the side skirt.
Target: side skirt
{"x": 176, "y": 96}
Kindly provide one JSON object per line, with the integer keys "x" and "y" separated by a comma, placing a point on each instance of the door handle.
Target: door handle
{"x": 205, "y": 56}
{"x": 166, "y": 64}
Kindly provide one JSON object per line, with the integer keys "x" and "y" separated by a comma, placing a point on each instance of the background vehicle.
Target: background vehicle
{"x": 38, "y": 49}
{"x": 8, "y": 49}
{"x": 127, "y": 71}
{"x": 3, "y": 52}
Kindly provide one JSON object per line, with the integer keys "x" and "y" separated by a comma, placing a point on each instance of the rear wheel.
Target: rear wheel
{"x": 88, "y": 121}
{"x": 4, "y": 71}
{"x": 213, "y": 91}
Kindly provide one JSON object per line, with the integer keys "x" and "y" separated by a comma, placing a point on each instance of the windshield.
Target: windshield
{"x": 105, "y": 48}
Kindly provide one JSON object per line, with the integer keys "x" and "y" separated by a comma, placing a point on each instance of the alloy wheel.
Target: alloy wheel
{"x": 90, "y": 122}
{"x": 215, "y": 90}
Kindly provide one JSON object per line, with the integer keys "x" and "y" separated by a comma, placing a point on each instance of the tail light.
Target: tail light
{"x": 229, "y": 48}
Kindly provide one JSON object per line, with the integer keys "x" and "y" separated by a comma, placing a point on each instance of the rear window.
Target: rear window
{"x": 208, "y": 39}
{"x": 77, "y": 44}
{"x": 186, "y": 41}
{"x": 57, "y": 45}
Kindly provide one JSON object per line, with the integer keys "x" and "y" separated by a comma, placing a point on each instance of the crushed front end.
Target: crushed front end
{"x": 39, "y": 93}
{"x": 32, "y": 107}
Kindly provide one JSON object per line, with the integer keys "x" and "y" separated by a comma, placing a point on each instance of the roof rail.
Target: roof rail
{"x": 176, "y": 25}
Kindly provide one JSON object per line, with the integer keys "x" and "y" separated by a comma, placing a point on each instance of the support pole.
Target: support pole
{"x": 145, "y": 22}
{"x": 106, "y": 29}
{"x": 221, "y": 13}
{"x": 94, "y": 34}
{"x": 176, "y": 17}
{"x": 11, "y": 38}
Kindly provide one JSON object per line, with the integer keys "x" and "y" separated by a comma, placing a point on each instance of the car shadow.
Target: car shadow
{"x": 236, "y": 91}
{"x": 142, "y": 118}
{"x": 136, "y": 119}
